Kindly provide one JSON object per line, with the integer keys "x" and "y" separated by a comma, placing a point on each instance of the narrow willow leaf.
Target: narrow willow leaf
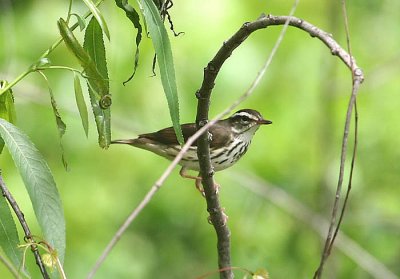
{"x": 94, "y": 77}
{"x": 39, "y": 183}
{"x": 80, "y": 102}
{"x": 9, "y": 239}
{"x": 94, "y": 45}
{"x": 96, "y": 13}
{"x": 7, "y": 108}
{"x": 163, "y": 50}
{"x": 60, "y": 123}
{"x": 81, "y": 21}
{"x": 133, "y": 16}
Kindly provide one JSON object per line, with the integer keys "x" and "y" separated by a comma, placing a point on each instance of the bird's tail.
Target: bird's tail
{"x": 124, "y": 141}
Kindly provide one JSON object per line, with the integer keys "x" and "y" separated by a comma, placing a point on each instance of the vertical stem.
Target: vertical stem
{"x": 28, "y": 236}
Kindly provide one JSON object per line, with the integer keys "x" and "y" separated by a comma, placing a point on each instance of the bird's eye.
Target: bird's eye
{"x": 244, "y": 120}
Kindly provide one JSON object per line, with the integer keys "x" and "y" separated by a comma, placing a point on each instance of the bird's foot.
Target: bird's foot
{"x": 198, "y": 180}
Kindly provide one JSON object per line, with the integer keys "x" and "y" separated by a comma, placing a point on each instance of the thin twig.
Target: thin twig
{"x": 294, "y": 207}
{"x": 357, "y": 78}
{"x": 353, "y": 159}
{"x": 28, "y": 236}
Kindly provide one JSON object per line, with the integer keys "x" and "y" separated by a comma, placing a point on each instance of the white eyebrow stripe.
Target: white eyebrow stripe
{"x": 251, "y": 116}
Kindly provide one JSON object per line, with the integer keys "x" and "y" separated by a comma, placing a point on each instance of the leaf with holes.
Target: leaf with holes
{"x": 39, "y": 183}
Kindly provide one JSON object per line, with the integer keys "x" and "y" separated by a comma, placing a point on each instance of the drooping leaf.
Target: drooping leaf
{"x": 80, "y": 102}
{"x": 165, "y": 61}
{"x": 96, "y": 13}
{"x": 39, "y": 183}
{"x": 60, "y": 123}
{"x": 133, "y": 16}
{"x": 9, "y": 239}
{"x": 81, "y": 21}
{"x": 94, "y": 45}
{"x": 7, "y": 108}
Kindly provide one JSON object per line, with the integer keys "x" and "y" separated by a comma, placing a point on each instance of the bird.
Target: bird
{"x": 229, "y": 141}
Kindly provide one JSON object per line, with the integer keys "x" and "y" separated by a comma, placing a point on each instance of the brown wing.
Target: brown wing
{"x": 168, "y": 136}
{"x": 224, "y": 134}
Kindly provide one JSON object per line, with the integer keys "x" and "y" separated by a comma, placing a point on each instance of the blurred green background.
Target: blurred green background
{"x": 305, "y": 93}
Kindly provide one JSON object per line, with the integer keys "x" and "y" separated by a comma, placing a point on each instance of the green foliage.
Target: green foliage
{"x": 7, "y": 108}
{"x": 39, "y": 183}
{"x": 94, "y": 45}
{"x": 9, "y": 239}
{"x": 98, "y": 16}
{"x": 81, "y": 21}
{"x": 92, "y": 59}
{"x": 163, "y": 50}
{"x": 133, "y": 16}
{"x": 61, "y": 126}
{"x": 80, "y": 102}
{"x": 305, "y": 93}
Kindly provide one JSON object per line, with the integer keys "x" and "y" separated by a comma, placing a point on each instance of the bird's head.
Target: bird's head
{"x": 246, "y": 122}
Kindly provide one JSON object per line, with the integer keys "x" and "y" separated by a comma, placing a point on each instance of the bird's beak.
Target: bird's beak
{"x": 264, "y": 122}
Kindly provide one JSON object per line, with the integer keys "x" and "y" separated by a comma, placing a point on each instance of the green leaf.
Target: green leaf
{"x": 94, "y": 77}
{"x": 60, "y": 123}
{"x": 7, "y": 108}
{"x": 96, "y": 13}
{"x": 92, "y": 58}
{"x": 163, "y": 50}
{"x": 80, "y": 102}
{"x": 39, "y": 183}
{"x": 81, "y": 21}
{"x": 94, "y": 45}
{"x": 9, "y": 239}
{"x": 133, "y": 16}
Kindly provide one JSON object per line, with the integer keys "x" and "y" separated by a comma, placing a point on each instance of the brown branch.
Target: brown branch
{"x": 28, "y": 236}
{"x": 204, "y": 93}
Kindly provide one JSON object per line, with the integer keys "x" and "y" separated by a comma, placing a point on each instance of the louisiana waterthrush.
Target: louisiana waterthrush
{"x": 229, "y": 141}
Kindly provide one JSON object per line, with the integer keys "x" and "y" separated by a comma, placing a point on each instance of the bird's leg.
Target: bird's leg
{"x": 198, "y": 179}
{"x": 199, "y": 187}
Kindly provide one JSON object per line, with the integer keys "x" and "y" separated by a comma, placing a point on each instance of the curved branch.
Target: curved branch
{"x": 217, "y": 216}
